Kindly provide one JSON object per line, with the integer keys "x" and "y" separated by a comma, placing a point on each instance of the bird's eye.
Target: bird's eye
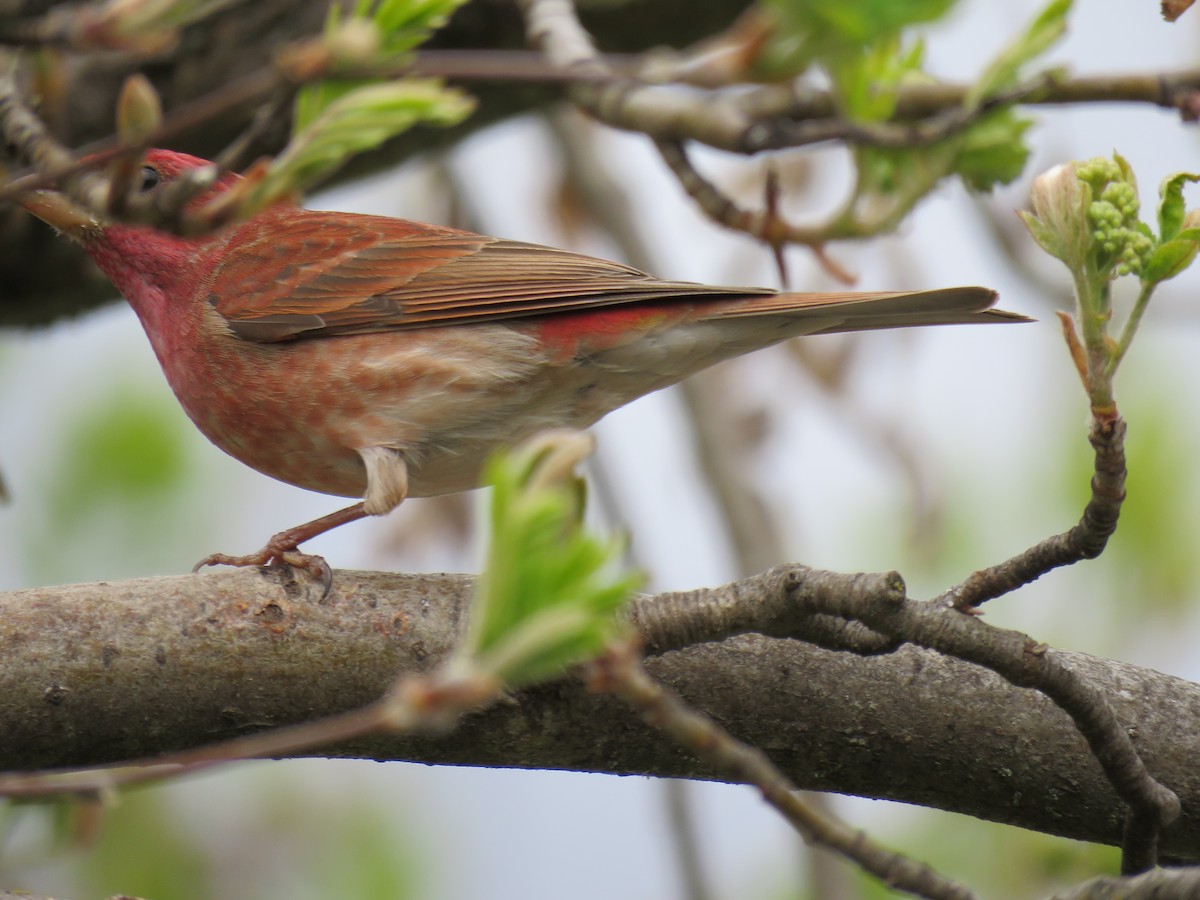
{"x": 151, "y": 178}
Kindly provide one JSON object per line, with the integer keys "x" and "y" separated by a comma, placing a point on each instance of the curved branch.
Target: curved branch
{"x": 1084, "y": 540}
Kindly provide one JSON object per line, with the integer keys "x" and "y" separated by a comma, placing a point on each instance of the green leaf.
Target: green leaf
{"x": 868, "y": 82}
{"x": 1168, "y": 260}
{"x": 406, "y": 23}
{"x": 316, "y": 98}
{"x": 377, "y": 31}
{"x": 856, "y": 24}
{"x": 834, "y": 32}
{"x": 1125, "y": 168}
{"x": 1004, "y": 71}
{"x": 993, "y": 150}
{"x": 338, "y": 117}
{"x": 1040, "y": 232}
{"x": 358, "y": 120}
{"x": 890, "y": 181}
{"x": 1170, "y": 206}
{"x": 399, "y": 25}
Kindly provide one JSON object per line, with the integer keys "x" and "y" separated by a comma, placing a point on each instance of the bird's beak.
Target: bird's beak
{"x": 57, "y": 210}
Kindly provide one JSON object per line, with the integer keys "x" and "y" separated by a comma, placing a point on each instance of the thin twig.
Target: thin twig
{"x": 619, "y": 672}
{"x": 77, "y": 178}
{"x": 1086, "y": 540}
{"x": 801, "y": 101}
{"x": 774, "y": 117}
{"x": 262, "y": 84}
{"x": 767, "y": 117}
{"x": 554, "y": 26}
{"x": 274, "y": 743}
{"x": 88, "y": 27}
{"x": 412, "y": 704}
{"x": 763, "y": 224}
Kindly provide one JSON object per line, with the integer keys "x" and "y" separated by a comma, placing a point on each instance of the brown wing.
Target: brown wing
{"x": 311, "y": 273}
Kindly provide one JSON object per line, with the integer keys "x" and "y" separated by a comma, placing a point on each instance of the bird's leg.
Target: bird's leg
{"x": 387, "y": 486}
{"x": 283, "y": 548}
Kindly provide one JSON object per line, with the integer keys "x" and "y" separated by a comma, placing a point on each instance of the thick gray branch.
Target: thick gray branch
{"x": 97, "y": 673}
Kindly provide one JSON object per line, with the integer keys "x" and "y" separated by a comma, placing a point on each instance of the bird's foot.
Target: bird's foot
{"x": 277, "y": 552}
{"x": 284, "y": 548}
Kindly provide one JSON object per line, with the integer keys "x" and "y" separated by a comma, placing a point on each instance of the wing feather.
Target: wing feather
{"x": 350, "y": 274}
{"x": 311, "y": 274}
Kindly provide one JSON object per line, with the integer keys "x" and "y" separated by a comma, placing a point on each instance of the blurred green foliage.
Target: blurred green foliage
{"x": 126, "y": 449}
{"x": 143, "y": 848}
{"x": 820, "y": 31}
{"x": 999, "y": 862}
{"x": 111, "y": 486}
{"x": 273, "y": 843}
{"x": 867, "y": 53}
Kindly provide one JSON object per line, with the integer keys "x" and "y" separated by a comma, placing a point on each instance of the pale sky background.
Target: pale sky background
{"x": 989, "y": 408}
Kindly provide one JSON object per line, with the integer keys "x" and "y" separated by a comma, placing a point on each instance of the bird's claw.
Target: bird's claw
{"x": 284, "y": 548}
{"x": 272, "y": 555}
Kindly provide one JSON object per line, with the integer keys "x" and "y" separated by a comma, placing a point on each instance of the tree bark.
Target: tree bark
{"x": 103, "y": 672}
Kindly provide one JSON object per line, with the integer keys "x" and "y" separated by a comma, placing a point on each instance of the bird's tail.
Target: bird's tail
{"x": 865, "y": 311}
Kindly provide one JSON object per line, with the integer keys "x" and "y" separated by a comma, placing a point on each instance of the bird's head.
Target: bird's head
{"x": 136, "y": 258}
{"x": 151, "y": 268}
{"x": 159, "y": 168}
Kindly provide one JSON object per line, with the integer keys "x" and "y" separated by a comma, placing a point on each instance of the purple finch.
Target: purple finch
{"x": 380, "y": 358}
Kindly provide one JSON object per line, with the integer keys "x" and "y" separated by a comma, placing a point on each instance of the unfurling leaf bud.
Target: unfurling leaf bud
{"x": 354, "y": 41}
{"x": 549, "y": 596}
{"x": 1059, "y": 220}
{"x": 139, "y": 111}
{"x": 1087, "y": 215}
